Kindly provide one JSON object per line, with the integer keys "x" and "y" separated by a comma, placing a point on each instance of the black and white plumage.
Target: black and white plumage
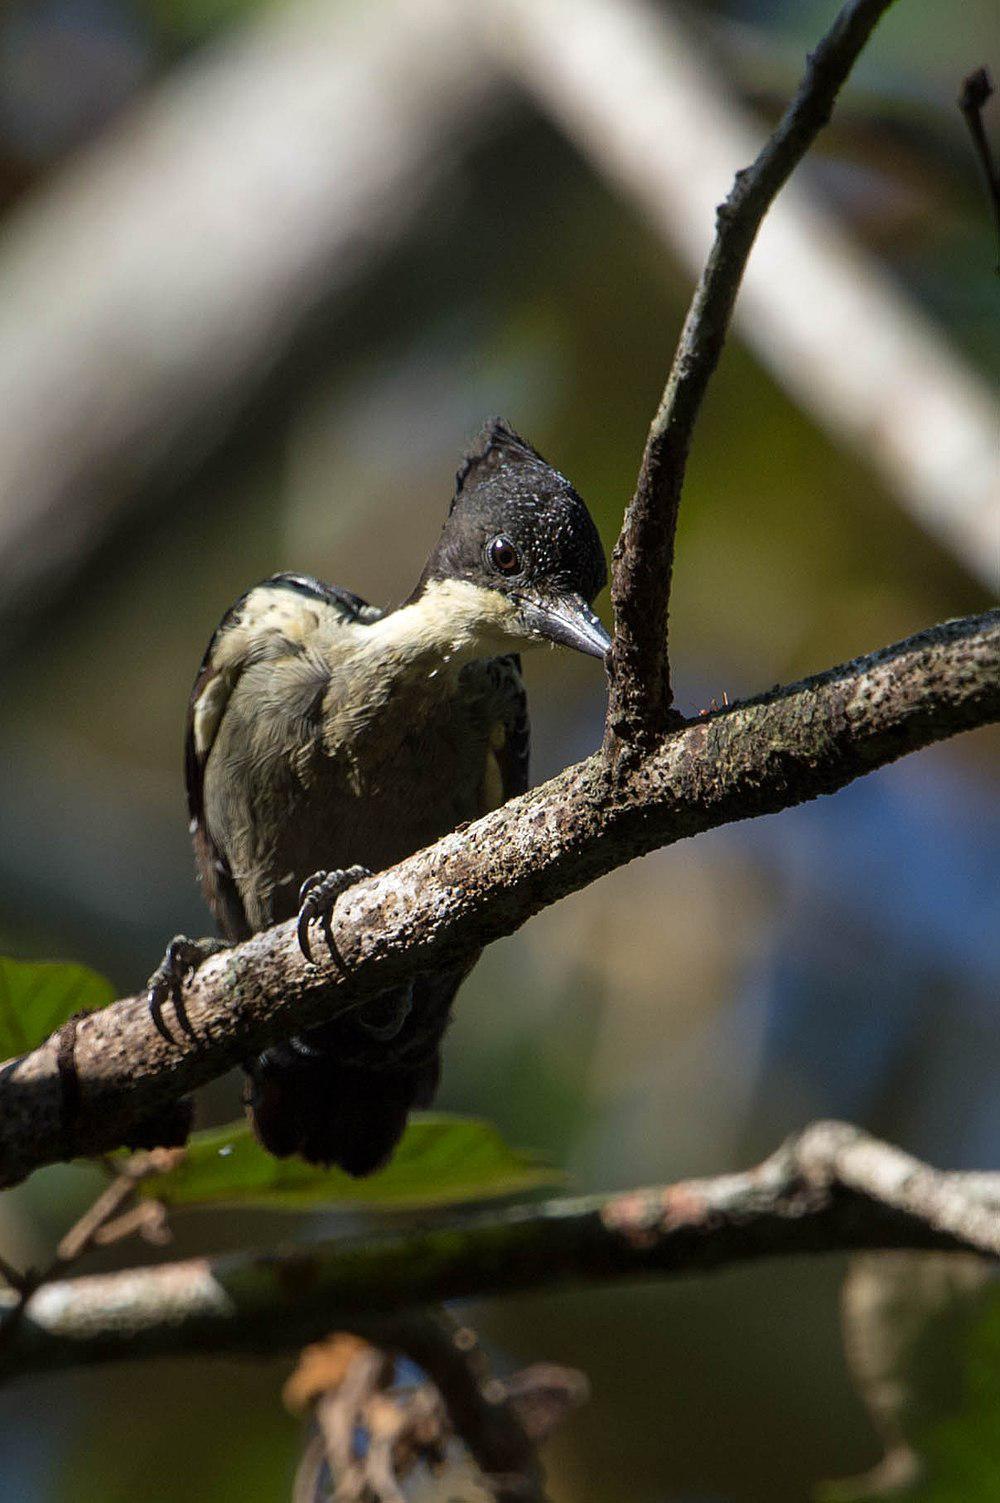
{"x": 324, "y": 733}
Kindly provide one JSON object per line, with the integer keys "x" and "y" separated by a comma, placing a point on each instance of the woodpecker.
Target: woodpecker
{"x": 327, "y": 739}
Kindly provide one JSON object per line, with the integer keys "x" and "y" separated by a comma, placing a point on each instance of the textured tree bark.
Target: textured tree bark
{"x": 832, "y": 1188}
{"x": 90, "y": 1084}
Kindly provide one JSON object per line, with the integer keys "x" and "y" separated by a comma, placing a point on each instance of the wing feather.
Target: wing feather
{"x": 277, "y": 608}
{"x": 511, "y": 741}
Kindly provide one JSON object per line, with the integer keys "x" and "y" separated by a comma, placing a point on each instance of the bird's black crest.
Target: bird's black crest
{"x": 496, "y": 445}
{"x": 505, "y": 487}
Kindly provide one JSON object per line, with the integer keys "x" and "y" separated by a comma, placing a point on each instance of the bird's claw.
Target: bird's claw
{"x": 317, "y": 897}
{"x": 384, "y": 1016}
{"x": 181, "y": 959}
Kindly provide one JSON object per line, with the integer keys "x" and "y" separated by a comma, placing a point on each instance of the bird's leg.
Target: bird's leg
{"x": 317, "y": 897}
{"x": 384, "y": 1016}
{"x": 181, "y": 959}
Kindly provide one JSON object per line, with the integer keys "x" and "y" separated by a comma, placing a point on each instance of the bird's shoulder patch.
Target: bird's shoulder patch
{"x": 278, "y": 617}
{"x": 345, "y": 603}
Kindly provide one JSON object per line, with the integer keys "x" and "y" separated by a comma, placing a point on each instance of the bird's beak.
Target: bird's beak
{"x": 566, "y": 619}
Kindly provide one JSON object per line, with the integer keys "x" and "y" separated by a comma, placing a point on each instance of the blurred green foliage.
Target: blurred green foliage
{"x": 442, "y": 1160}
{"x": 155, "y": 1436}
{"x": 929, "y": 1346}
{"x": 184, "y": 23}
{"x": 36, "y": 997}
{"x": 960, "y": 1446}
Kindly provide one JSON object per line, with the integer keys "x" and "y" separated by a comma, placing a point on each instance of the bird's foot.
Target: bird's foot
{"x": 317, "y": 897}
{"x": 384, "y": 1016}
{"x": 182, "y": 958}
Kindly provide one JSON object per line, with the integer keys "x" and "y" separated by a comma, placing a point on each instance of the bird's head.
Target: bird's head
{"x": 518, "y": 533}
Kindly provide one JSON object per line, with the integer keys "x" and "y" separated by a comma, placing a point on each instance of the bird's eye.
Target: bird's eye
{"x": 503, "y": 556}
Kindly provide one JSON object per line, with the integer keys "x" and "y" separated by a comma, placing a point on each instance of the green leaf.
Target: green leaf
{"x": 442, "y": 1160}
{"x": 36, "y": 996}
{"x": 959, "y": 1442}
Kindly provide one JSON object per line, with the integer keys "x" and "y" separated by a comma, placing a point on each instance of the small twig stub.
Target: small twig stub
{"x": 977, "y": 90}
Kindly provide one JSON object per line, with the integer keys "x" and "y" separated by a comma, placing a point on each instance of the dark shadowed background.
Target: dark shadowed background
{"x": 676, "y": 1018}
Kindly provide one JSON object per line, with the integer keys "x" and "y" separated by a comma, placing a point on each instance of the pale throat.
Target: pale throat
{"x": 452, "y": 623}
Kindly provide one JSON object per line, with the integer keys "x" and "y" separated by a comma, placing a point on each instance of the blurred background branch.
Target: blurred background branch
{"x": 649, "y": 106}
{"x": 977, "y": 91}
{"x": 107, "y": 1220}
{"x": 160, "y": 285}
{"x": 891, "y": 1304}
{"x": 831, "y": 1188}
{"x": 154, "y": 289}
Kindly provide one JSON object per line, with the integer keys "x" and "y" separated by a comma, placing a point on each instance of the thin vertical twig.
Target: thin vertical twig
{"x": 977, "y": 90}
{"x": 641, "y": 697}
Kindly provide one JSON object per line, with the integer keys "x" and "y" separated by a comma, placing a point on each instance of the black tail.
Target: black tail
{"x": 336, "y": 1095}
{"x": 331, "y": 1113}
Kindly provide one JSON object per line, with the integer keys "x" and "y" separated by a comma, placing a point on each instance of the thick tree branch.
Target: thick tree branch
{"x": 641, "y": 697}
{"x": 833, "y": 1188}
{"x": 93, "y": 1084}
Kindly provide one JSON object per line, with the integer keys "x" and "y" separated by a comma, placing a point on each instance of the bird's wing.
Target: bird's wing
{"x": 511, "y": 741}
{"x": 283, "y": 607}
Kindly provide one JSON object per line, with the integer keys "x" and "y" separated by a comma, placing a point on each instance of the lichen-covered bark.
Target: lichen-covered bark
{"x": 476, "y": 885}
{"x": 832, "y": 1188}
